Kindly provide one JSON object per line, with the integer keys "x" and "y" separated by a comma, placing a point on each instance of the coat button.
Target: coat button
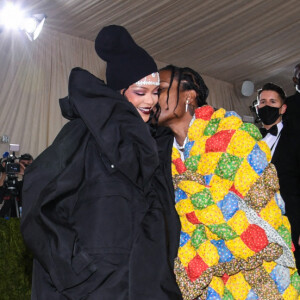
{"x": 112, "y": 166}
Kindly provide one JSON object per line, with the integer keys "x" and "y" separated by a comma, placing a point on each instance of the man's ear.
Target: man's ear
{"x": 191, "y": 94}
{"x": 283, "y": 109}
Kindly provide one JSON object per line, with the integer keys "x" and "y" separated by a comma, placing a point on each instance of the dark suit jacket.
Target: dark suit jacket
{"x": 286, "y": 159}
{"x": 292, "y": 114}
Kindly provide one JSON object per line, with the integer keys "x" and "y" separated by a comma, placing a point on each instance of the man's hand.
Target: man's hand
{"x": 22, "y": 168}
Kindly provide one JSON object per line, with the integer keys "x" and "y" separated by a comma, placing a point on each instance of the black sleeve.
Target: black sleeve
{"x": 48, "y": 197}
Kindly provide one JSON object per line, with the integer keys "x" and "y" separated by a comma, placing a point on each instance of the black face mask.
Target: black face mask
{"x": 268, "y": 114}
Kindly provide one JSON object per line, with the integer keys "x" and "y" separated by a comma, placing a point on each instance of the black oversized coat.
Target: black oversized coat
{"x": 96, "y": 211}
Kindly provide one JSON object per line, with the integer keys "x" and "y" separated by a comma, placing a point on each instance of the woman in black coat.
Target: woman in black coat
{"x": 96, "y": 211}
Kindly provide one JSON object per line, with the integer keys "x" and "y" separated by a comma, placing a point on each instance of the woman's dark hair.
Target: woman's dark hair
{"x": 188, "y": 80}
{"x": 273, "y": 87}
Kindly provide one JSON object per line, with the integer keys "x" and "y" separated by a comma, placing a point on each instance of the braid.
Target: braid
{"x": 193, "y": 81}
{"x": 179, "y": 78}
{"x": 188, "y": 79}
{"x": 172, "y": 69}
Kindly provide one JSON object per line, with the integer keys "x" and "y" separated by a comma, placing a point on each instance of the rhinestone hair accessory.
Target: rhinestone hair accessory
{"x": 146, "y": 81}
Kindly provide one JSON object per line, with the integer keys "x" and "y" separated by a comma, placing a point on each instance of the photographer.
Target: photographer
{"x": 11, "y": 183}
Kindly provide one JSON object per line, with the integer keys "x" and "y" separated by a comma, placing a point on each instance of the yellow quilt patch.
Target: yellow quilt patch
{"x": 208, "y": 162}
{"x": 230, "y": 123}
{"x": 219, "y": 187}
{"x": 245, "y": 177}
{"x": 220, "y": 113}
{"x": 238, "y": 286}
{"x": 210, "y": 215}
{"x": 272, "y": 214}
{"x": 286, "y": 223}
{"x": 186, "y": 253}
{"x": 239, "y": 222}
{"x": 209, "y": 253}
{"x": 199, "y": 146}
{"x": 174, "y": 170}
{"x": 290, "y": 293}
{"x": 191, "y": 187}
{"x": 238, "y": 248}
{"x": 241, "y": 144}
{"x": 187, "y": 226}
{"x": 218, "y": 285}
{"x": 269, "y": 266}
{"x": 196, "y": 130}
{"x": 184, "y": 206}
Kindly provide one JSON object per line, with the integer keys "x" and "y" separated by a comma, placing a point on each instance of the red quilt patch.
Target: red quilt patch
{"x": 219, "y": 141}
{"x": 255, "y": 238}
{"x": 204, "y": 112}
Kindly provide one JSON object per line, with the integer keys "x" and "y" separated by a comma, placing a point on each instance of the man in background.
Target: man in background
{"x": 11, "y": 185}
{"x": 293, "y": 103}
{"x": 285, "y": 150}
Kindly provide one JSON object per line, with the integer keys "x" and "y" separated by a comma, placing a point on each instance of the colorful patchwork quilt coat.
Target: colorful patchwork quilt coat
{"x": 235, "y": 240}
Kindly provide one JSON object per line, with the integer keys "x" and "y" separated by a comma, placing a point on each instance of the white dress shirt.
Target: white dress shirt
{"x": 272, "y": 140}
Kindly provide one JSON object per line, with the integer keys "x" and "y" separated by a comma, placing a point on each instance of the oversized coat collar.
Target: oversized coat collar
{"x": 119, "y": 131}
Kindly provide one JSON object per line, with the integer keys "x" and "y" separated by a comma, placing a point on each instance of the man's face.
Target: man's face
{"x": 23, "y": 165}
{"x": 26, "y": 163}
{"x": 272, "y": 99}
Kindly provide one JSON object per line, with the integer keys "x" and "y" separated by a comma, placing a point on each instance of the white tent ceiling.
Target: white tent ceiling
{"x": 226, "y": 39}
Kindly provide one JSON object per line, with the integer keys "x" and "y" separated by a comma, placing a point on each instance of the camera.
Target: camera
{"x": 11, "y": 167}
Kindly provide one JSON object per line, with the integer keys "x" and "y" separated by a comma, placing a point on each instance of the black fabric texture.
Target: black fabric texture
{"x": 97, "y": 214}
{"x": 292, "y": 114}
{"x": 126, "y": 62}
{"x": 286, "y": 159}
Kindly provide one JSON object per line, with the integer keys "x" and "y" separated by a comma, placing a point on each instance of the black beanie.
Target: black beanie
{"x": 126, "y": 61}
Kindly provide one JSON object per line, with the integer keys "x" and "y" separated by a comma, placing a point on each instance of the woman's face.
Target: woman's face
{"x": 144, "y": 95}
{"x": 169, "y": 111}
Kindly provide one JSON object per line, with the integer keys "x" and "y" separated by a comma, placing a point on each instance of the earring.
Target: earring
{"x": 187, "y": 105}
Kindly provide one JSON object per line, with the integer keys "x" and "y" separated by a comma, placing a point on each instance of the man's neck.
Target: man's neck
{"x": 269, "y": 126}
{"x": 180, "y": 129}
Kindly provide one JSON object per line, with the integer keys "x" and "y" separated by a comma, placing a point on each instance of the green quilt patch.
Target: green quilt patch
{"x": 202, "y": 199}
{"x": 285, "y": 234}
{"x": 223, "y": 231}
{"x": 199, "y": 236}
{"x": 295, "y": 281}
{"x": 191, "y": 163}
{"x": 212, "y": 126}
{"x": 228, "y": 166}
{"x": 252, "y": 130}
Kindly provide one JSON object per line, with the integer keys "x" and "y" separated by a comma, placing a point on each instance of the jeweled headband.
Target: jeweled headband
{"x": 146, "y": 81}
